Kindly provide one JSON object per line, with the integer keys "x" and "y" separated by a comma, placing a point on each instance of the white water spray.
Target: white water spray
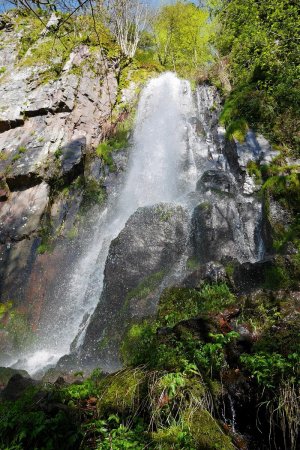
{"x": 161, "y": 168}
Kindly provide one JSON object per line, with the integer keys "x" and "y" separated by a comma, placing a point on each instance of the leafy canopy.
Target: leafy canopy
{"x": 182, "y": 34}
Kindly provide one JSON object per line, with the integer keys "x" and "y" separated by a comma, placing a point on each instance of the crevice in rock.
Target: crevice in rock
{"x": 6, "y": 125}
{"x": 60, "y": 108}
{"x": 23, "y": 181}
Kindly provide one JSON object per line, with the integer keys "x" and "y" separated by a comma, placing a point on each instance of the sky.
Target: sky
{"x": 4, "y": 4}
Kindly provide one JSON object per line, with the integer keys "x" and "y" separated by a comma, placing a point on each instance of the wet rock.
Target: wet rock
{"x": 20, "y": 216}
{"x": 152, "y": 241}
{"x": 249, "y": 276}
{"x": 16, "y": 386}
{"x": 72, "y": 154}
{"x": 7, "y": 372}
{"x": 254, "y": 148}
{"x": 224, "y": 226}
{"x": 212, "y": 272}
{"x": 16, "y": 263}
{"x": 215, "y": 180}
{"x": 3, "y": 195}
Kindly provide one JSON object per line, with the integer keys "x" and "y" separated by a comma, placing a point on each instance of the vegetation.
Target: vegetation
{"x": 180, "y": 366}
{"x": 181, "y": 35}
{"x": 259, "y": 41}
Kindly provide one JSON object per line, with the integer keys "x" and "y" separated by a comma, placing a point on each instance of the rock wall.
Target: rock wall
{"x": 48, "y": 166}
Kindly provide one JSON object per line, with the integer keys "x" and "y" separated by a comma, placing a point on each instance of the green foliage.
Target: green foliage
{"x": 94, "y": 193}
{"x": 58, "y": 153}
{"x": 260, "y": 42}
{"x": 254, "y": 170}
{"x": 181, "y": 33}
{"x": 181, "y": 303}
{"x": 216, "y": 297}
{"x": 113, "y": 435}
{"x": 146, "y": 286}
{"x": 118, "y": 141}
{"x": 31, "y": 28}
{"x": 144, "y": 345}
{"x": 270, "y": 369}
{"x": 192, "y": 263}
{"x": 25, "y": 424}
{"x": 237, "y": 129}
{"x": 176, "y": 436}
{"x": 2, "y": 70}
{"x": 276, "y": 277}
{"x": 46, "y": 243}
{"x": 138, "y": 343}
{"x": 285, "y": 189}
{"x": 210, "y": 356}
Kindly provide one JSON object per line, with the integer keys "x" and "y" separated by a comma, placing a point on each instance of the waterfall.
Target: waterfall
{"x": 161, "y": 168}
{"x": 175, "y": 142}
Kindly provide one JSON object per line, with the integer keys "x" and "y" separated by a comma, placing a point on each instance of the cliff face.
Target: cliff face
{"x": 50, "y": 125}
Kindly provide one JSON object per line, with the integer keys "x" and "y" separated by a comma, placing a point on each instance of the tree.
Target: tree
{"x": 182, "y": 36}
{"x": 127, "y": 20}
{"x": 261, "y": 42}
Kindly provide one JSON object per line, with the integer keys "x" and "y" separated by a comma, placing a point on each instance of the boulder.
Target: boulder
{"x": 7, "y": 372}
{"x": 16, "y": 386}
{"x": 222, "y": 227}
{"x": 215, "y": 180}
{"x": 151, "y": 243}
{"x": 20, "y": 216}
{"x": 212, "y": 272}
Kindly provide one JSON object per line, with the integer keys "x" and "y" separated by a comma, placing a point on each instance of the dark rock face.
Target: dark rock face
{"x": 152, "y": 241}
{"x": 211, "y": 272}
{"x": 16, "y": 387}
{"x": 7, "y": 372}
{"x": 216, "y": 180}
{"x": 222, "y": 227}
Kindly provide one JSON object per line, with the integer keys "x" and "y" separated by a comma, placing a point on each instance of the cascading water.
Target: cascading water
{"x": 161, "y": 169}
{"x": 173, "y": 144}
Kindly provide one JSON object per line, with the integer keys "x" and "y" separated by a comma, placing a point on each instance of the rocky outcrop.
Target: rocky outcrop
{"x": 20, "y": 215}
{"x": 254, "y": 148}
{"x": 225, "y": 224}
{"x": 151, "y": 243}
{"x": 50, "y": 124}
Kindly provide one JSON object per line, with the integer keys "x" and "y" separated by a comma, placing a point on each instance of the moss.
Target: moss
{"x": 237, "y": 129}
{"x": 72, "y": 233}
{"x": 174, "y": 437}
{"x": 3, "y": 156}
{"x": 164, "y": 213}
{"x": 93, "y": 193}
{"x": 206, "y": 432}
{"x": 17, "y": 326}
{"x": 276, "y": 277}
{"x": 285, "y": 189}
{"x": 178, "y": 303}
{"x": 43, "y": 248}
{"x": 146, "y": 286}
{"x": 254, "y": 170}
{"x": 138, "y": 343}
{"x": 192, "y": 263}
{"x": 121, "y": 392}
